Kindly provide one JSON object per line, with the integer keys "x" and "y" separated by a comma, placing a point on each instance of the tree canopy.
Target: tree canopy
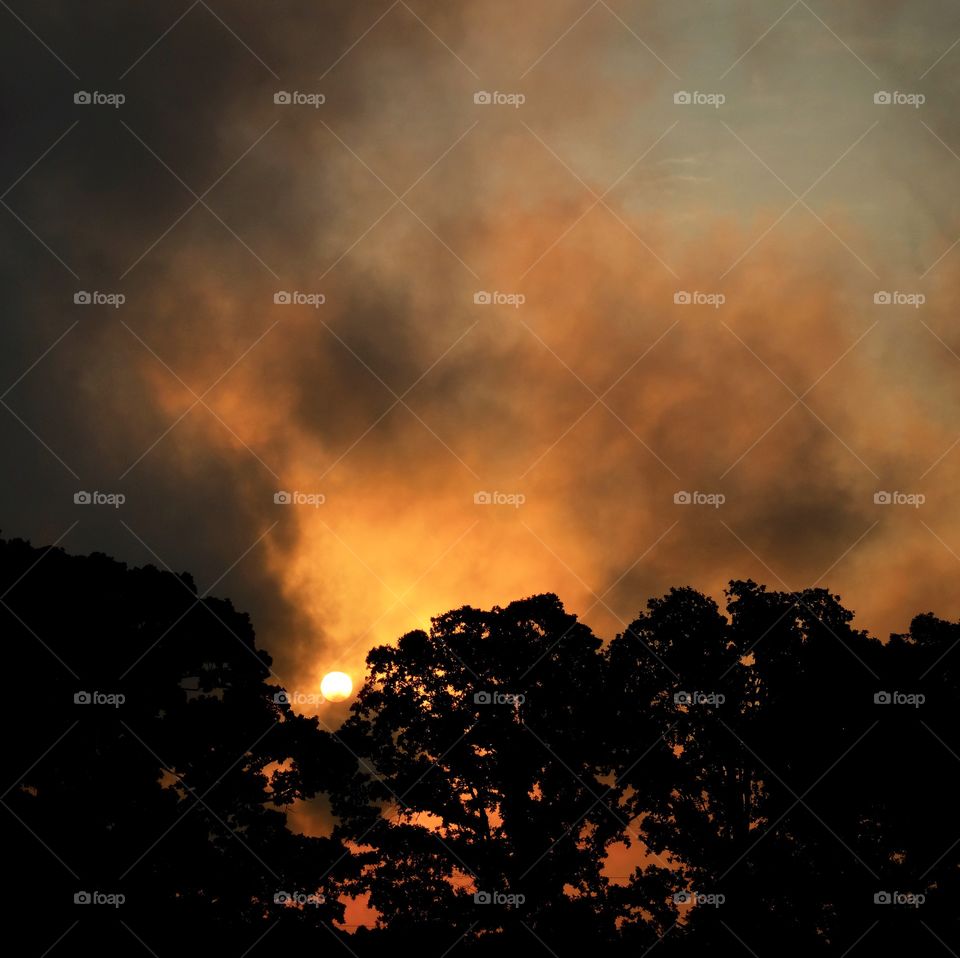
{"x": 778, "y": 781}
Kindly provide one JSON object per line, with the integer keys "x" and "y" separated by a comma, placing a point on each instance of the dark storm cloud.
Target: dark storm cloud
{"x": 399, "y": 398}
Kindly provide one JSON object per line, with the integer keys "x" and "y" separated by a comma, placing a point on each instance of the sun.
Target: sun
{"x": 336, "y": 686}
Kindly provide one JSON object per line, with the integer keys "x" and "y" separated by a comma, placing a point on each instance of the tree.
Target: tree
{"x": 753, "y": 708}
{"x": 786, "y": 782}
{"x": 152, "y": 760}
{"x": 483, "y": 771}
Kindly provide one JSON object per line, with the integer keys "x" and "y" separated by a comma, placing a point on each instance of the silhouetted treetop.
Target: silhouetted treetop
{"x": 760, "y": 773}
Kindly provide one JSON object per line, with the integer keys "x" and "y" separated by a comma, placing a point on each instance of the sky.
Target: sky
{"x": 574, "y": 260}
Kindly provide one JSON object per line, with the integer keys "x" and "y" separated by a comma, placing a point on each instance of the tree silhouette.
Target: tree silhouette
{"x": 167, "y": 796}
{"x": 482, "y": 774}
{"x": 784, "y": 782}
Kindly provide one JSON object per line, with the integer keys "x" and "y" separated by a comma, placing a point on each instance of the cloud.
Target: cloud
{"x": 399, "y": 398}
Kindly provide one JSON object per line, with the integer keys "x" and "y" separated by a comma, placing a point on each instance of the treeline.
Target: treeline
{"x": 785, "y": 783}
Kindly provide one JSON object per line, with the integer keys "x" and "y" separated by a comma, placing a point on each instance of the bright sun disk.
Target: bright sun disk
{"x": 336, "y": 686}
